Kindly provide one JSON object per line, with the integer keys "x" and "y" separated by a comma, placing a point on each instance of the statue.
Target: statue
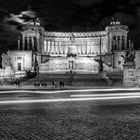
{"x": 129, "y": 54}
{"x": 8, "y": 62}
{"x": 72, "y": 50}
{"x": 72, "y": 38}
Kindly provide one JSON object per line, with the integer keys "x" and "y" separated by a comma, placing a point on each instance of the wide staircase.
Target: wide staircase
{"x": 74, "y": 79}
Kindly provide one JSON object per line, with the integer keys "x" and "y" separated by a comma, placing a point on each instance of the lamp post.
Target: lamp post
{"x": 100, "y": 61}
{"x": 35, "y": 49}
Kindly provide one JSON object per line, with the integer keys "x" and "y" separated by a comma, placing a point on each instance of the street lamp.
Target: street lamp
{"x": 100, "y": 61}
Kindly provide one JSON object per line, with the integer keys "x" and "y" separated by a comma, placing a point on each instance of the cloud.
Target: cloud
{"x": 21, "y": 18}
{"x": 28, "y": 13}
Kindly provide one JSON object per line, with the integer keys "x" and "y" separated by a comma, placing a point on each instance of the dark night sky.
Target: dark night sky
{"x": 69, "y": 15}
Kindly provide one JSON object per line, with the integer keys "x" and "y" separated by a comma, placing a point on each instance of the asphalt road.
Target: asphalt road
{"x": 47, "y": 117}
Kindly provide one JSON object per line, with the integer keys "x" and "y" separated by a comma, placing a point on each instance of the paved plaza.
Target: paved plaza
{"x": 117, "y": 119}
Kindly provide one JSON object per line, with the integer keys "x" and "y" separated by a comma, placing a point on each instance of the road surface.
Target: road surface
{"x": 95, "y": 114}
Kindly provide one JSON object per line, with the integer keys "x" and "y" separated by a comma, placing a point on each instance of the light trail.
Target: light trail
{"x": 110, "y": 94}
{"x": 67, "y": 91}
{"x": 66, "y": 100}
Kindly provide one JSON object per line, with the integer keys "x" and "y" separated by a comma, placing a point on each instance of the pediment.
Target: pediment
{"x": 29, "y": 31}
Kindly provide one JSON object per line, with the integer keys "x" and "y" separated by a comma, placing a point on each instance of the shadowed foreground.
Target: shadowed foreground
{"x": 96, "y": 120}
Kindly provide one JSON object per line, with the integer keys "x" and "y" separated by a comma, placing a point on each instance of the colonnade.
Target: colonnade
{"x": 82, "y": 48}
{"x": 28, "y": 43}
{"x": 119, "y": 42}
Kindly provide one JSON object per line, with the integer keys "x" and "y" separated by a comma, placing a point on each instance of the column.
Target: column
{"x": 123, "y": 47}
{"x": 32, "y": 42}
{"x": 86, "y": 48}
{"x": 28, "y": 42}
{"x": 117, "y": 40}
{"x": 38, "y": 42}
{"x": 49, "y": 49}
{"x": 90, "y": 49}
{"x": 56, "y": 47}
{"x": 63, "y": 47}
{"x": 120, "y": 42}
{"x": 60, "y": 47}
{"x": 94, "y": 48}
{"x": 110, "y": 43}
{"x": 66, "y": 49}
{"x": 81, "y": 48}
{"x": 52, "y": 47}
{"x": 77, "y": 47}
{"x": 45, "y": 46}
{"x": 18, "y": 43}
{"x": 23, "y": 42}
{"x": 125, "y": 42}
{"x": 35, "y": 43}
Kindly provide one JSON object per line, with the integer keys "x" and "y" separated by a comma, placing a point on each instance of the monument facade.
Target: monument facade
{"x": 71, "y": 51}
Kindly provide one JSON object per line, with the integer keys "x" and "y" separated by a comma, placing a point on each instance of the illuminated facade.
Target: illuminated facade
{"x": 73, "y": 51}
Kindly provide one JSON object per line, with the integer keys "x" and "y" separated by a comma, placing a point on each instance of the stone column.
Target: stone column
{"x": 63, "y": 47}
{"x": 28, "y": 42}
{"x": 53, "y": 46}
{"x": 23, "y": 44}
{"x": 110, "y": 42}
{"x": 120, "y": 42}
{"x": 125, "y": 42}
{"x": 117, "y": 43}
{"x": 66, "y": 49}
{"x": 49, "y": 44}
{"x": 60, "y": 47}
{"x": 33, "y": 42}
{"x": 18, "y": 43}
{"x": 80, "y": 50}
{"x": 94, "y": 48}
{"x": 56, "y": 48}
{"x": 87, "y": 48}
{"x": 45, "y": 47}
{"x": 49, "y": 51}
{"x": 38, "y": 39}
{"x": 123, "y": 47}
